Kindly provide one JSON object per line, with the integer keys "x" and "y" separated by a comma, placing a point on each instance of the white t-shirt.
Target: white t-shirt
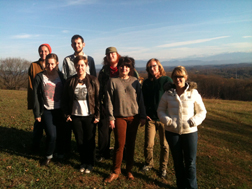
{"x": 80, "y": 104}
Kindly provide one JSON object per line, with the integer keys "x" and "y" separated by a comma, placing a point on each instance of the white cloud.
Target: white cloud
{"x": 246, "y": 36}
{"x": 65, "y": 31}
{"x": 24, "y": 36}
{"x": 79, "y": 2}
{"x": 190, "y": 42}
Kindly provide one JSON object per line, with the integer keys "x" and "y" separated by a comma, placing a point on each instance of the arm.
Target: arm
{"x": 162, "y": 109}
{"x": 91, "y": 64}
{"x": 97, "y": 101}
{"x": 200, "y": 110}
{"x": 65, "y": 69}
{"x": 65, "y": 101}
{"x": 109, "y": 100}
{"x": 36, "y": 105}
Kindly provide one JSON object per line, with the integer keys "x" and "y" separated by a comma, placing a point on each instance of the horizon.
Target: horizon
{"x": 166, "y": 30}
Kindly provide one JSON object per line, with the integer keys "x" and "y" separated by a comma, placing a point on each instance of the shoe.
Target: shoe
{"x": 112, "y": 177}
{"x": 82, "y": 168}
{"x": 130, "y": 176}
{"x": 88, "y": 169}
{"x": 163, "y": 173}
{"x": 45, "y": 162}
{"x": 146, "y": 168}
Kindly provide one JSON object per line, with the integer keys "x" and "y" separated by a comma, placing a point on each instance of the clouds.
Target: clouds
{"x": 24, "y": 36}
{"x": 246, "y": 36}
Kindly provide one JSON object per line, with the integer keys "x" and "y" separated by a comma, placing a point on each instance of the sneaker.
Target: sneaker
{"x": 82, "y": 168}
{"x": 88, "y": 169}
{"x": 146, "y": 168}
{"x": 163, "y": 173}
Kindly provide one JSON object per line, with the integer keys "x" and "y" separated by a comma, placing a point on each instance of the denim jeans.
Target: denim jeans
{"x": 55, "y": 130}
{"x": 37, "y": 135}
{"x": 184, "y": 149}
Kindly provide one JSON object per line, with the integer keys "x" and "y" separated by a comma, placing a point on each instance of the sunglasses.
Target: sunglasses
{"x": 178, "y": 76}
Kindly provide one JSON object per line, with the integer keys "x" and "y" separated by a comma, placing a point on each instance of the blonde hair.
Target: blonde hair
{"x": 160, "y": 68}
{"x": 179, "y": 71}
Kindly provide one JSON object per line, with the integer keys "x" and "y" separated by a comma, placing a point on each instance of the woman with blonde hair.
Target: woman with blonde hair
{"x": 181, "y": 109}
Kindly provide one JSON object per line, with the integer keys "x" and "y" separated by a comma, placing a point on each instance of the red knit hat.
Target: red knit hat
{"x": 47, "y": 45}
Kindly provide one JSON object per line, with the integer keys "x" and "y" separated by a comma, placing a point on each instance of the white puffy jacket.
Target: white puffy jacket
{"x": 181, "y": 114}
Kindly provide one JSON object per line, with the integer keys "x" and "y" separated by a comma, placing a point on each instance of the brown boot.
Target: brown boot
{"x": 111, "y": 177}
{"x": 130, "y": 176}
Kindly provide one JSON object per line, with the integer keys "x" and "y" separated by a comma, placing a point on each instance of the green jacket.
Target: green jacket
{"x": 152, "y": 93}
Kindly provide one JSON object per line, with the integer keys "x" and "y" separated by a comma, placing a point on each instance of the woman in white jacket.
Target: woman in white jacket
{"x": 181, "y": 109}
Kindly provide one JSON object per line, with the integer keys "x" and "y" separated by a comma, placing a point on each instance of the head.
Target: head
{"x": 44, "y": 50}
{"x": 179, "y": 76}
{"x": 126, "y": 65}
{"x": 52, "y": 62}
{"x": 77, "y": 43}
{"x": 155, "y": 69}
{"x": 80, "y": 64}
{"x": 112, "y": 56}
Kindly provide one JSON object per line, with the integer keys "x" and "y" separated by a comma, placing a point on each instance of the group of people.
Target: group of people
{"x": 75, "y": 99}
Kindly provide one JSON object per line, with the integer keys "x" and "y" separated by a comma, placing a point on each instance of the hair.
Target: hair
{"x": 77, "y": 37}
{"x": 80, "y": 57}
{"x": 106, "y": 62}
{"x": 127, "y": 61}
{"x": 52, "y": 56}
{"x": 160, "y": 68}
{"x": 179, "y": 71}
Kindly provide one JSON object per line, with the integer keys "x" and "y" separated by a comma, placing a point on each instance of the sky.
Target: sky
{"x": 143, "y": 29}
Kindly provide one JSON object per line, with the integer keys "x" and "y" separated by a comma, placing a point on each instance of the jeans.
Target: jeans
{"x": 184, "y": 149}
{"x": 37, "y": 135}
{"x": 84, "y": 131}
{"x": 151, "y": 128}
{"x": 125, "y": 134}
{"x": 55, "y": 130}
{"x": 104, "y": 137}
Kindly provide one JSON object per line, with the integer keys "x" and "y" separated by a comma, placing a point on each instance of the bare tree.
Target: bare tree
{"x": 13, "y": 73}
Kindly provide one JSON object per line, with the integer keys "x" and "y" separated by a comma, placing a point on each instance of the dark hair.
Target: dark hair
{"x": 127, "y": 61}
{"x": 106, "y": 62}
{"x": 52, "y": 56}
{"x": 160, "y": 68}
{"x": 80, "y": 57}
{"x": 77, "y": 37}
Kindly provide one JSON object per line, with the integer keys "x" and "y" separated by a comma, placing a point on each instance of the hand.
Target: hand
{"x": 38, "y": 119}
{"x": 96, "y": 120}
{"x": 142, "y": 122}
{"x": 148, "y": 118}
{"x": 112, "y": 124}
{"x": 68, "y": 119}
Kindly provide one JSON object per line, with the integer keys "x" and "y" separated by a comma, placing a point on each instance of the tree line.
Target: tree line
{"x": 13, "y": 75}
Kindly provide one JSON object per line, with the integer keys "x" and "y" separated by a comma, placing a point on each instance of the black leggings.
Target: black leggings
{"x": 84, "y": 131}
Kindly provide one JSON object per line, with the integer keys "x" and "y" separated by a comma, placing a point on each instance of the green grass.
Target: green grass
{"x": 224, "y": 156}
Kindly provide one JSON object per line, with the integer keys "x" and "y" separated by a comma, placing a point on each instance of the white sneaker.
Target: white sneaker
{"x": 88, "y": 169}
{"x": 146, "y": 168}
{"x": 82, "y": 168}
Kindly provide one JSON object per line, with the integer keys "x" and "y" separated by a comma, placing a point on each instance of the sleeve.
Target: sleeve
{"x": 97, "y": 100}
{"x": 65, "y": 100}
{"x": 140, "y": 102}
{"x": 109, "y": 100}
{"x": 91, "y": 64}
{"x": 162, "y": 109}
{"x": 200, "y": 109}
{"x": 36, "y": 104}
{"x": 65, "y": 69}
{"x": 29, "y": 89}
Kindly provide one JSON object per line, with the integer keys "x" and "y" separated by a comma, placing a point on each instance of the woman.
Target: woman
{"x": 34, "y": 69}
{"x": 81, "y": 106}
{"x": 47, "y": 91}
{"x": 109, "y": 70}
{"x": 125, "y": 108}
{"x": 181, "y": 109}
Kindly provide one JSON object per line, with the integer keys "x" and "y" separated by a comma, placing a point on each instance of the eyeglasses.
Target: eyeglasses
{"x": 178, "y": 76}
{"x": 153, "y": 66}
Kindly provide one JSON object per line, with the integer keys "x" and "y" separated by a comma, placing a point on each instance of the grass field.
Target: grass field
{"x": 224, "y": 158}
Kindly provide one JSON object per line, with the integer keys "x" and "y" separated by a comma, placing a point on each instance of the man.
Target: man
{"x": 153, "y": 89}
{"x": 68, "y": 68}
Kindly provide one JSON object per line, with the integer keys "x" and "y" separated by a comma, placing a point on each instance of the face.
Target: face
{"x": 51, "y": 64}
{"x": 43, "y": 51}
{"x": 124, "y": 71}
{"x": 80, "y": 67}
{"x": 179, "y": 81}
{"x": 112, "y": 57}
{"x": 78, "y": 45}
{"x": 154, "y": 69}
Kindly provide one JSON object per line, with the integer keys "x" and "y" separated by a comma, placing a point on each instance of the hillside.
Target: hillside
{"x": 223, "y": 159}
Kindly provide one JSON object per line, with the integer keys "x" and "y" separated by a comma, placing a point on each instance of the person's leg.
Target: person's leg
{"x": 174, "y": 141}
{"x": 150, "y": 132}
{"x": 68, "y": 137}
{"x": 60, "y": 128}
{"x": 164, "y": 153}
{"x": 120, "y": 138}
{"x": 132, "y": 126}
{"x": 37, "y": 135}
{"x": 51, "y": 133}
{"x": 190, "y": 152}
{"x": 104, "y": 137}
{"x": 78, "y": 133}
